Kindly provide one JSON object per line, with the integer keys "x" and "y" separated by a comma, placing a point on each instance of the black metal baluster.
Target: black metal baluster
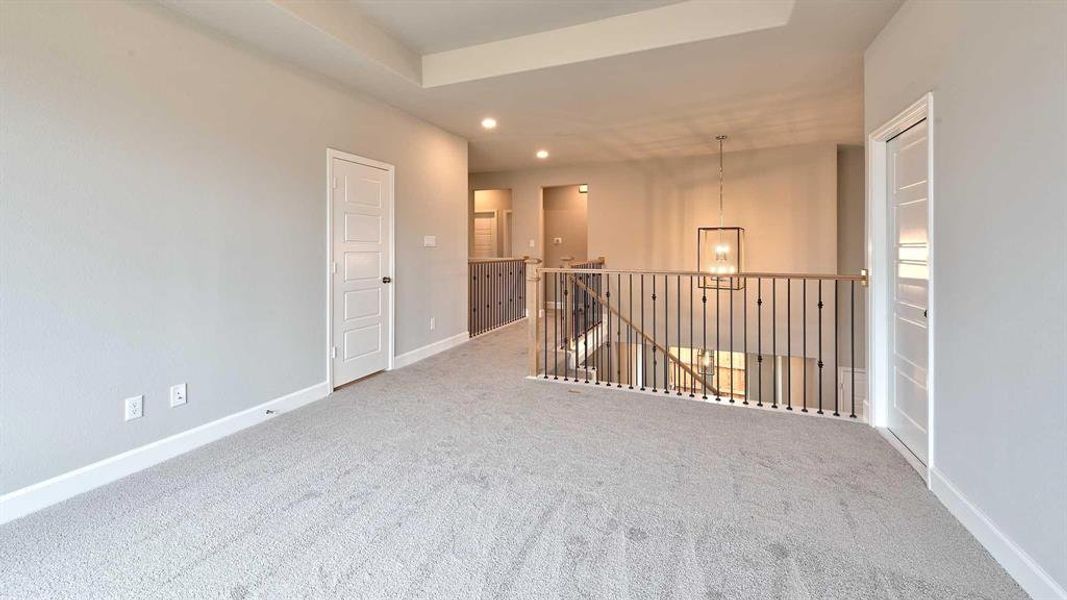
{"x": 544, "y": 289}
{"x": 555, "y": 322}
{"x": 567, "y": 327}
{"x": 731, "y": 339}
{"x": 594, "y": 331}
{"x": 804, "y": 339}
{"x": 852, "y": 345}
{"x": 643, "y": 364}
{"x": 774, "y": 342}
{"x": 588, "y": 304}
{"x": 692, "y": 382}
{"x": 837, "y": 343}
{"x": 704, "y": 335}
{"x": 571, "y": 316}
{"x": 759, "y": 341}
{"x": 717, "y": 377}
{"x": 630, "y": 337}
{"x": 655, "y": 365}
{"x": 789, "y": 344}
{"x": 678, "y": 363}
{"x": 666, "y": 336}
{"x": 607, "y": 292}
{"x": 820, "y": 364}
{"x": 744, "y": 326}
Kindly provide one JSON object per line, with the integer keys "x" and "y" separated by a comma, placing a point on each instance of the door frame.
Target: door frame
{"x": 331, "y": 154}
{"x": 506, "y": 225}
{"x": 879, "y": 264}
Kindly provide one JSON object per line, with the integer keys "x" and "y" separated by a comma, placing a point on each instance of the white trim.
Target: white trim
{"x": 878, "y": 267}
{"x": 912, "y": 460}
{"x": 32, "y": 498}
{"x": 390, "y": 269}
{"x": 429, "y": 350}
{"x": 499, "y": 327}
{"x": 1020, "y": 565}
{"x": 508, "y": 223}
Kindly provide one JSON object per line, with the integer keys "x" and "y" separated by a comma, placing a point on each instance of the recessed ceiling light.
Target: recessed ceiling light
{"x": 489, "y": 123}
{"x": 542, "y": 154}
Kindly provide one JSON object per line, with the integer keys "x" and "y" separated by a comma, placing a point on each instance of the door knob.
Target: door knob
{"x": 387, "y": 280}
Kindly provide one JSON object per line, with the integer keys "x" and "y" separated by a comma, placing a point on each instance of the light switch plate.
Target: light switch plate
{"x": 429, "y": 241}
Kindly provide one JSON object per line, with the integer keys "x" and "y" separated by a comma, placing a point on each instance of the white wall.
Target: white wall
{"x": 164, "y": 221}
{"x": 998, "y": 72}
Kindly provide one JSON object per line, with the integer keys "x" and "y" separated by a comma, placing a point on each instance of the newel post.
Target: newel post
{"x": 533, "y": 312}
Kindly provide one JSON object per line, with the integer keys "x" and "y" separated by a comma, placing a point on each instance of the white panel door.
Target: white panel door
{"x": 484, "y": 235}
{"x": 362, "y": 200}
{"x": 909, "y": 288}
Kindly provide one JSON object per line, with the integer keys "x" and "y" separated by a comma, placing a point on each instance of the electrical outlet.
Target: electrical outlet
{"x": 177, "y": 395}
{"x": 433, "y": 323}
{"x": 134, "y": 407}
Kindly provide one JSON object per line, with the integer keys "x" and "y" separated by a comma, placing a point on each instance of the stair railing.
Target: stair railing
{"x": 774, "y": 340}
{"x": 496, "y": 291}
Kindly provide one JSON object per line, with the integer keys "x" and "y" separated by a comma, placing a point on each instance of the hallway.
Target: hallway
{"x": 458, "y": 477}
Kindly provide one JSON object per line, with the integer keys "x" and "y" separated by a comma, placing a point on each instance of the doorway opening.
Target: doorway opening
{"x": 490, "y": 225}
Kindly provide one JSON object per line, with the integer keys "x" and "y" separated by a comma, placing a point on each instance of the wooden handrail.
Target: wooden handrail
{"x": 501, "y": 259}
{"x": 810, "y": 276}
{"x": 589, "y": 261}
{"x": 678, "y": 361}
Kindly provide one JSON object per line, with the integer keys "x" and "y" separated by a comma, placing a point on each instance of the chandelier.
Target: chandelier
{"x": 719, "y": 248}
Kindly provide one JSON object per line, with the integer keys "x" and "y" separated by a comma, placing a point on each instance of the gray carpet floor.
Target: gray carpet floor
{"x": 458, "y": 478}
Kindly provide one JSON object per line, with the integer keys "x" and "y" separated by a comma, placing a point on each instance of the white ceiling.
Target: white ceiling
{"x": 429, "y": 26}
{"x": 763, "y": 76}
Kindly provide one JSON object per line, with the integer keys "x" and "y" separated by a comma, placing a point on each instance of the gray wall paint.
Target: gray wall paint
{"x": 644, "y": 214}
{"x": 164, "y": 221}
{"x": 998, "y": 71}
{"x": 851, "y": 237}
{"x": 566, "y": 213}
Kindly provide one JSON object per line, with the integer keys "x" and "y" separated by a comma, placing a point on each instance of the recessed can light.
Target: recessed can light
{"x": 489, "y": 123}
{"x": 542, "y": 154}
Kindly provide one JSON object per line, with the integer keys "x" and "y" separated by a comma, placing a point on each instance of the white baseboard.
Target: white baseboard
{"x": 32, "y": 498}
{"x": 429, "y": 350}
{"x": 1020, "y": 565}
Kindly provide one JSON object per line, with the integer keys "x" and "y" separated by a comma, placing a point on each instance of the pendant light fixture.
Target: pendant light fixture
{"x": 719, "y": 248}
